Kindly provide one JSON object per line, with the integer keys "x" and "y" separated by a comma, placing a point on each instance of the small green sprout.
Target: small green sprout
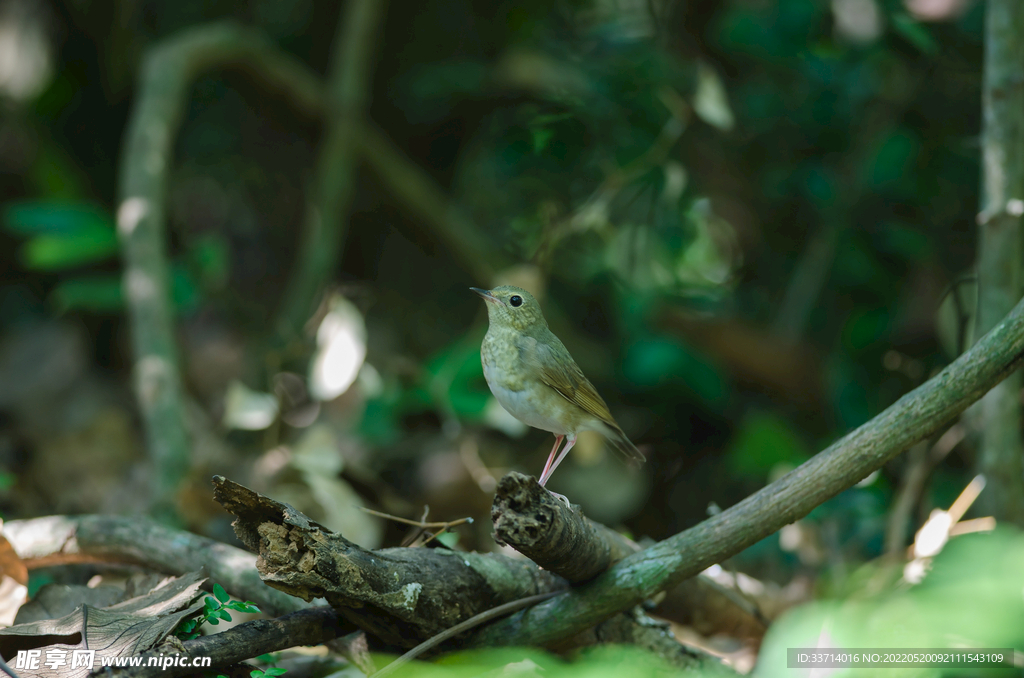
{"x": 214, "y": 610}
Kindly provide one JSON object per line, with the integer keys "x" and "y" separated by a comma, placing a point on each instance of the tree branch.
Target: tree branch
{"x": 400, "y": 595}
{"x": 530, "y": 520}
{"x": 168, "y": 72}
{"x": 641, "y": 575}
{"x": 165, "y": 82}
{"x": 117, "y": 540}
{"x": 313, "y": 626}
{"x": 563, "y": 541}
{"x": 349, "y": 82}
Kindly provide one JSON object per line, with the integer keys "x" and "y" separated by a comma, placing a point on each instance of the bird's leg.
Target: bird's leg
{"x": 544, "y": 474}
{"x": 548, "y": 471}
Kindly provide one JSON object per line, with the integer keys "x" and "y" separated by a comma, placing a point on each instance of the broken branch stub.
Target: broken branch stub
{"x": 400, "y": 595}
{"x": 530, "y": 520}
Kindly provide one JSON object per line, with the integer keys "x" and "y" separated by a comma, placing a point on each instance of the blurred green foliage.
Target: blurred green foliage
{"x": 659, "y": 362}
{"x": 969, "y": 599}
{"x": 97, "y": 294}
{"x": 61, "y": 236}
{"x": 595, "y": 662}
{"x": 66, "y": 236}
{"x": 687, "y": 157}
{"x": 734, "y": 160}
{"x": 764, "y": 443}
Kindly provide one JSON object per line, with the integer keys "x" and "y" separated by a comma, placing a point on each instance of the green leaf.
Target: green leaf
{"x": 209, "y": 258}
{"x": 220, "y": 593}
{"x": 55, "y": 253}
{"x": 865, "y": 328}
{"x": 276, "y": 671}
{"x": 914, "y": 33}
{"x": 61, "y": 235}
{"x": 455, "y": 381}
{"x": 209, "y": 604}
{"x": 850, "y": 392}
{"x": 224, "y": 614}
{"x": 97, "y": 294}
{"x": 184, "y": 291}
{"x": 55, "y": 172}
{"x": 29, "y": 219}
{"x": 762, "y": 442}
{"x": 893, "y": 158}
{"x": 449, "y": 539}
{"x": 541, "y": 137}
{"x": 36, "y": 581}
{"x": 380, "y": 420}
{"x": 905, "y": 241}
{"x": 658, "y": 362}
{"x": 468, "y": 403}
{"x": 982, "y": 570}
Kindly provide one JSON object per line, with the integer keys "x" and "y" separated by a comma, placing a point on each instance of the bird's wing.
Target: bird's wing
{"x": 556, "y": 368}
{"x": 551, "y": 360}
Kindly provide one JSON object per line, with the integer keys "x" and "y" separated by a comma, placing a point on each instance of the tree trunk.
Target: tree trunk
{"x": 1000, "y": 249}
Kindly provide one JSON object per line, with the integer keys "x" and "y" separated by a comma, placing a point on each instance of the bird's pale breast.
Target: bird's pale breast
{"x": 527, "y": 399}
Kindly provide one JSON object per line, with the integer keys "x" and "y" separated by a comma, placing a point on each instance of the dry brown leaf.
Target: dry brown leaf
{"x": 126, "y": 629}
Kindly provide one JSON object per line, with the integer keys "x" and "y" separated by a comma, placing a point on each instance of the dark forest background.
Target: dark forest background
{"x": 752, "y": 222}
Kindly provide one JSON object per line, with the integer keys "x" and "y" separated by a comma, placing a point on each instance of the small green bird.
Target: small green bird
{"x": 535, "y": 379}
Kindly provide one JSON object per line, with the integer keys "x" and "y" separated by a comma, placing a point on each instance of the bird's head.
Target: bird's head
{"x": 512, "y": 307}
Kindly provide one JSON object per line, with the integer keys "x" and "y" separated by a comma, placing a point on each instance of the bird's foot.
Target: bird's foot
{"x": 561, "y": 497}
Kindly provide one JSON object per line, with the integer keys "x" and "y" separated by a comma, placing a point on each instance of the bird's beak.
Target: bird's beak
{"x": 487, "y": 296}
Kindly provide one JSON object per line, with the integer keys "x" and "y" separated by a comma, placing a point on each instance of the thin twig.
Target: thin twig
{"x": 937, "y": 530}
{"x": 411, "y": 538}
{"x": 418, "y": 523}
{"x": 967, "y": 497}
{"x": 434, "y": 536}
{"x": 348, "y": 93}
{"x": 469, "y": 453}
{"x": 986, "y": 524}
{"x": 920, "y": 465}
{"x": 422, "y": 524}
{"x": 912, "y": 483}
{"x": 470, "y": 623}
{"x": 805, "y": 285}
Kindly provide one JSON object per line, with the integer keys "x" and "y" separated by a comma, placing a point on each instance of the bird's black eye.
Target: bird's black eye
{"x": 515, "y": 300}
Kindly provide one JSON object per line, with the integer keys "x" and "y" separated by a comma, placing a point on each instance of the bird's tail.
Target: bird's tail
{"x": 625, "y": 447}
